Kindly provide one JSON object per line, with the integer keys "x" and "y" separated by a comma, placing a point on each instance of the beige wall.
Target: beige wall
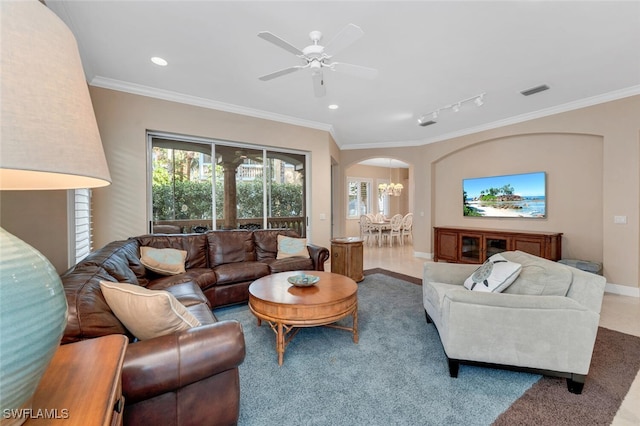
{"x": 123, "y": 119}
{"x": 574, "y": 181}
{"x": 583, "y": 145}
{"x": 39, "y": 218}
{"x": 599, "y": 145}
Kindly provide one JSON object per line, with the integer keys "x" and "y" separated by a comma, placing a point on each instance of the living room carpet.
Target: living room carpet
{"x": 398, "y": 374}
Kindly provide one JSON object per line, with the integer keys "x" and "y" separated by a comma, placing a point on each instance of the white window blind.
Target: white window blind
{"x": 83, "y": 226}
{"x": 358, "y": 197}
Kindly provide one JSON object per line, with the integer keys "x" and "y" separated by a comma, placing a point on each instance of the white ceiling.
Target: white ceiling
{"x": 429, "y": 54}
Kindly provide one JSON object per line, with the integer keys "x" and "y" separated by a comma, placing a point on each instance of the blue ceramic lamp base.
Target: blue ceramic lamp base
{"x": 33, "y": 315}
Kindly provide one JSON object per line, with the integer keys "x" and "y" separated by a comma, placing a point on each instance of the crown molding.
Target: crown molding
{"x": 152, "y": 92}
{"x": 138, "y": 89}
{"x": 570, "y": 106}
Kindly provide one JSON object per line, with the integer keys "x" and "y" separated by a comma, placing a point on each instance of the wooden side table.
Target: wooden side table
{"x": 82, "y": 385}
{"x": 346, "y": 257}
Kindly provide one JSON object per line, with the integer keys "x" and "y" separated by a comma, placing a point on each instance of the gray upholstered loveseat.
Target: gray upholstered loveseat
{"x": 523, "y": 327}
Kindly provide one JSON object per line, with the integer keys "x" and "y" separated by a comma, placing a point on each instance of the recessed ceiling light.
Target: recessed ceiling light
{"x": 333, "y": 106}
{"x": 159, "y": 61}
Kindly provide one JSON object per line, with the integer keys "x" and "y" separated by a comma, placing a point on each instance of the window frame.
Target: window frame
{"x": 266, "y": 151}
{"x": 367, "y": 203}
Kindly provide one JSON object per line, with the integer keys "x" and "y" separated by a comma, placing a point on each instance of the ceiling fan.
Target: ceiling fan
{"x": 316, "y": 58}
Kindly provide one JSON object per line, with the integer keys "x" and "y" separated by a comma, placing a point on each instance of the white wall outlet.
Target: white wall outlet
{"x": 620, "y": 219}
{"x": 322, "y": 216}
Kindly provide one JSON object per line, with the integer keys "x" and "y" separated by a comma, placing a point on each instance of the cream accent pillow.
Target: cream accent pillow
{"x": 291, "y": 247}
{"x": 165, "y": 261}
{"x": 147, "y": 313}
{"x": 495, "y": 275}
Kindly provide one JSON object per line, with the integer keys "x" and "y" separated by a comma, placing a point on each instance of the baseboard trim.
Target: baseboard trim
{"x": 622, "y": 290}
{"x": 423, "y": 255}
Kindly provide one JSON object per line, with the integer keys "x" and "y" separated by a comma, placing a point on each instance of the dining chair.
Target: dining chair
{"x": 395, "y": 230}
{"x": 407, "y": 227}
{"x": 366, "y": 230}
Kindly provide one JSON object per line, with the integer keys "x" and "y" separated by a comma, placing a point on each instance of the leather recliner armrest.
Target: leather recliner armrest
{"x": 167, "y": 363}
{"x": 319, "y": 255}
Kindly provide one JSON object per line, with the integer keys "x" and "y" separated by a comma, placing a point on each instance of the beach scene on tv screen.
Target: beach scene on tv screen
{"x": 521, "y": 195}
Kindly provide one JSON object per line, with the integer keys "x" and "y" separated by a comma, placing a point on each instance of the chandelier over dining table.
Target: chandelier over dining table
{"x": 391, "y": 189}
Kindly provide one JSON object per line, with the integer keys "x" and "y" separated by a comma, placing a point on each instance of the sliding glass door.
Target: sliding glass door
{"x": 253, "y": 187}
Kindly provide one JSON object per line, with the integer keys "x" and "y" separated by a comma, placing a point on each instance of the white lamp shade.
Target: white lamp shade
{"x": 49, "y": 137}
{"x": 49, "y": 140}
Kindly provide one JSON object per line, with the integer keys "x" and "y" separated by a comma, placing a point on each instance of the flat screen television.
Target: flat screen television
{"x": 517, "y": 196}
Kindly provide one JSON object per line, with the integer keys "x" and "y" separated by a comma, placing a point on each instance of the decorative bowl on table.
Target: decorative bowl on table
{"x": 303, "y": 280}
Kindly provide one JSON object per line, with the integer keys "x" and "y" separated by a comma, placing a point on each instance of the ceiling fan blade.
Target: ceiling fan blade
{"x": 280, "y": 73}
{"x": 343, "y": 39}
{"x": 319, "y": 88}
{"x": 266, "y": 35}
{"x": 355, "y": 70}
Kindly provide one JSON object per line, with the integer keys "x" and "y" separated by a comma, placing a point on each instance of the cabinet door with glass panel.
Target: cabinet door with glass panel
{"x": 476, "y": 248}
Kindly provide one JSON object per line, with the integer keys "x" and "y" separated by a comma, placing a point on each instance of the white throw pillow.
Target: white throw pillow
{"x": 495, "y": 275}
{"x": 292, "y": 247}
{"x": 147, "y": 313}
{"x": 164, "y": 261}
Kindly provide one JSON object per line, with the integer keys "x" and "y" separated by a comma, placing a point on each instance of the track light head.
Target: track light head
{"x": 479, "y": 100}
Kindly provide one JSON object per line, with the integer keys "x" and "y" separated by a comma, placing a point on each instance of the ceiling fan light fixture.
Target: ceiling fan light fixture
{"x": 317, "y": 58}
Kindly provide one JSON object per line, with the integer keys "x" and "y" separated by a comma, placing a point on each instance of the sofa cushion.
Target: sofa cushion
{"x": 188, "y": 294}
{"x": 494, "y": 275}
{"x": 291, "y": 247}
{"x": 147, "y": 313}
{"x": 539, "y": 276}
{"x": 116, "y": 258}
{"x": 164, "y": 261}
{"x": 289, "y": 264}
{"x": 266, "y": 242}
{"x": 239, "y": 272}
{"x": 194, "y": 244}
{"x": 202, "y": 277}
{"x": 230, "y": 247}
{"x": 88, "y": 314}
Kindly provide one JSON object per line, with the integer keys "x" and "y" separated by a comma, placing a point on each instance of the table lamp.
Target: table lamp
{"x": 49, "y": 140}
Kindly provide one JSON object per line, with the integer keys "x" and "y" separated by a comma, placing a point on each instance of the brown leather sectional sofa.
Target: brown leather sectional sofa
{"x": 190, "y": 377}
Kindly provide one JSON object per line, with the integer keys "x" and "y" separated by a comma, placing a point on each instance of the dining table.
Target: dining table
{"x": 379, "y": 226}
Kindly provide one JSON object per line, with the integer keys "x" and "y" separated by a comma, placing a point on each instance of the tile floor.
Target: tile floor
{"x": 620, "y": 313}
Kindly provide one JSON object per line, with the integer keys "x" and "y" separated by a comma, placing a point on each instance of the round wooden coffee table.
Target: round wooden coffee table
{"x": 287, "y": 307}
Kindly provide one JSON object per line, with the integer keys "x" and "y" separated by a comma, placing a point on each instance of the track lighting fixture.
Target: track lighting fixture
{"x": 455, "y": 107}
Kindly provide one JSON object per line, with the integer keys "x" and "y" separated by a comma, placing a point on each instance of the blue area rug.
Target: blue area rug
{"x": 396, "y": 374}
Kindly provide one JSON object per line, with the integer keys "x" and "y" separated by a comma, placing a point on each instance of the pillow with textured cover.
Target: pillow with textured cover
{"x": 494, "y": 275}
{"x": 147, "y": 313}
{"x": 291, "y": 247}
{"x": 165, "y": 261}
